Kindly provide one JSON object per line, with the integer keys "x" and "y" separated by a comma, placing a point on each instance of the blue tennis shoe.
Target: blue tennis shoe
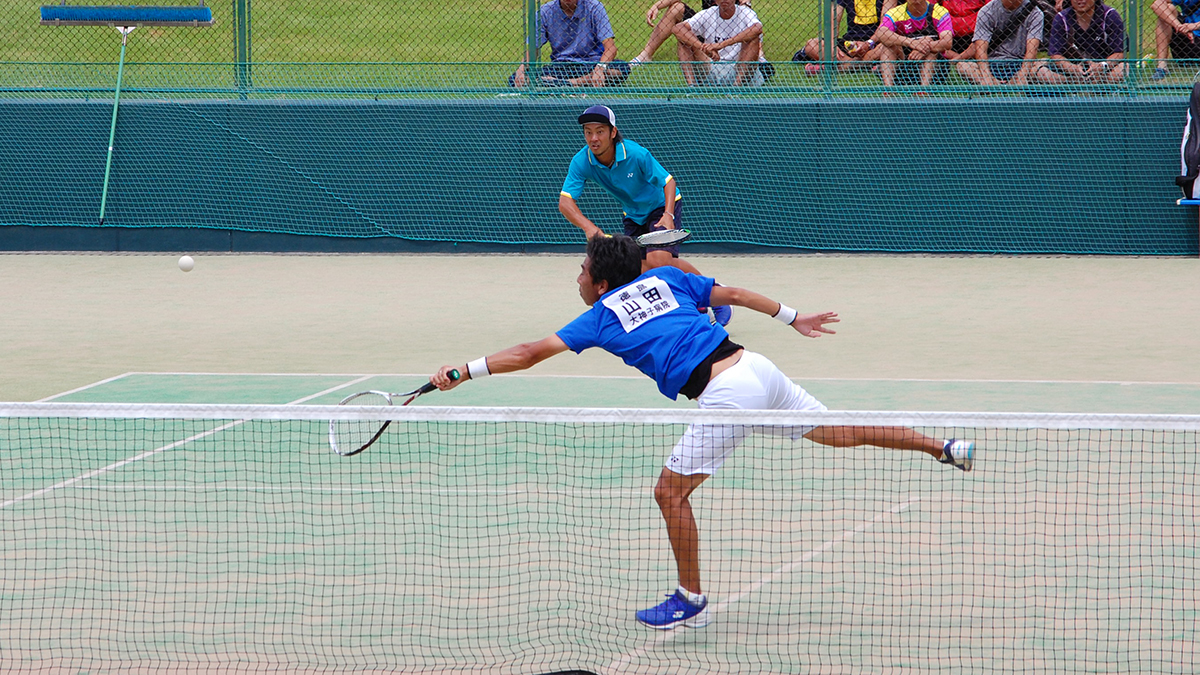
{"x": 723, "y": 314}
{"x": 673, "y": 611}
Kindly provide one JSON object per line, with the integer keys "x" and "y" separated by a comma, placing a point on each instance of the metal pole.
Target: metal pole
{"x": 241, "y": 39}
{"x": 112, "y": 130}
{"x": 1133, "y": 27}
{"x": 828, "y": 28}
{"x": 531, "y": 40}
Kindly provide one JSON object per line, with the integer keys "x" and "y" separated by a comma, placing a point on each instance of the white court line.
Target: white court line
{"x": 667, "y": 636}
{"x": 638, "y": 377}
{"x": 169, "y": 446}
{"x": 524, "y": 375}
{"x": 84, "y": 387}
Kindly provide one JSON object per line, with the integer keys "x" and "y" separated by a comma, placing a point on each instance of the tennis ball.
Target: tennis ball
{"x": 186, "y": 263}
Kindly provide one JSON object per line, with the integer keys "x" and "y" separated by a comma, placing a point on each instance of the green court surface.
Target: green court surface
{"x": 203, "y": 546}
{"x": 639, "y": 392}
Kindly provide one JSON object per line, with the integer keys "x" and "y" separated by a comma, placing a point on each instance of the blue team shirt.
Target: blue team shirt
{"x": 1189, "y": 12}
{"x": 635, "y": 179}
{"x": 653, "y": 324}
{"x": 579, "y": 37}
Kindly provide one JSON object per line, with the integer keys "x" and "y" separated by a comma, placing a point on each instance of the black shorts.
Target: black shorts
{"x": 557, "y": 73}
{"x": 635, "y": 229}
{"x": 688, "y": 12}
{"x": 1183, "y": 48}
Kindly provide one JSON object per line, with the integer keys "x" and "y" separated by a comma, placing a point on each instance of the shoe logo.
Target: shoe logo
{"x": 678, "y": 614}
{"x": 629, "y": 176}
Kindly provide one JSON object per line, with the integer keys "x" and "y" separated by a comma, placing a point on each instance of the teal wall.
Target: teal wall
{"x": 994, "y": 174}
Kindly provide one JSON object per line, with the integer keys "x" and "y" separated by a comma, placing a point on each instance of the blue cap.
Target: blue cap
{"x": 599, "y": 113}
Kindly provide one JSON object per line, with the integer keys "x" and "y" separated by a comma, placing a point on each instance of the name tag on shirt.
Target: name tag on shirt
{"x": 641, "y": 301}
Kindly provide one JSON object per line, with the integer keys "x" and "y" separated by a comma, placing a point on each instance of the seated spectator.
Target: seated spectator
{"x": 1178, "y": 29}
{"x": 1087, "y": 44}
{"x": 859, "y": 44}
{"x": 723, "y": 43}
{"x": 582, "y": 48}
{"x": 1004, "y": 50}
{"x": 962, "y": 16}
{"x": 668, "y": 14}
{"x": 915, "y": 32}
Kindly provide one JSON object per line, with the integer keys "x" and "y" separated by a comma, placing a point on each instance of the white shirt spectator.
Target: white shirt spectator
{"x": 710, "y": 27}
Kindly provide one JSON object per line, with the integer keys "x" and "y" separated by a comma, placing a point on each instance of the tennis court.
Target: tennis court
{"x": 243, "y": 545}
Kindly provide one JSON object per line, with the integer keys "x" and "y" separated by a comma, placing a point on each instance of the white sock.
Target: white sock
{"x": 696, "y": 599}
{"x": 638, "y": 60}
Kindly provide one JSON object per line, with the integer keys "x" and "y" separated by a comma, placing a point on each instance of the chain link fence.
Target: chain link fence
{"x": 442, "y": 46}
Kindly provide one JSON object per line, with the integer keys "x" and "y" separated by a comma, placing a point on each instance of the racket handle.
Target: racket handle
{"x": 429, "y": 386}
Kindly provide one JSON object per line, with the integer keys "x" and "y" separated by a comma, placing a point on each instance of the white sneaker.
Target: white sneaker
{"x": 958, "y": 453}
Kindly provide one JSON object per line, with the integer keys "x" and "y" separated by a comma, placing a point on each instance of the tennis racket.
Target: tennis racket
{"x": 662, "y": 238}
{"x": 350, "y": 437}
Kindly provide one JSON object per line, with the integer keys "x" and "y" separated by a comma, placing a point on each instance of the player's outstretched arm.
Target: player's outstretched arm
{"x": 570, "y": 210}
{"x": 517, "y": 357}
{"x": 808, "y": 325}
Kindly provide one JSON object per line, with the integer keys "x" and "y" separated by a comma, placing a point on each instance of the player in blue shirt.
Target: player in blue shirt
{"x": 629, "y": 173}
{"x": 649, "y": 319}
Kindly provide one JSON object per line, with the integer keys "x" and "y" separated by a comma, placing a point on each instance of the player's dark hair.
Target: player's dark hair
{"x": 616, "y": 259}
{"x": 618, "y": 137}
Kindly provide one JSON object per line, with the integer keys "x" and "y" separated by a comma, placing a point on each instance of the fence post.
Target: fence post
{"x": 531, "y": 41}
{"x": 1133, "y": 28}
{"x": 241, "y": 45}
{"x": 828, "y": 44}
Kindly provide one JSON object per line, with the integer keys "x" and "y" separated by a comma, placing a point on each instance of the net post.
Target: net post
{"x": 241, "y": 45}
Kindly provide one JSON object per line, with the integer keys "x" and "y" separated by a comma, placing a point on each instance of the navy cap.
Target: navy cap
{"x": 599, "y": 113}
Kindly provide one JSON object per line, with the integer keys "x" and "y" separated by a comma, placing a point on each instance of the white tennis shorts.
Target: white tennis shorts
{"x": 753, "y": 383}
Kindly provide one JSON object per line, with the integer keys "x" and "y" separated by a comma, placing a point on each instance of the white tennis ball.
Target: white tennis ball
{"x": 186, "y": 263}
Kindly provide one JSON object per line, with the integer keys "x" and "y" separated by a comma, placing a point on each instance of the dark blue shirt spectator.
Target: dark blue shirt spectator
{"x": 582, "y": 47}
{"x": 579, "y": 37}
{"x": 1104, "y": 36}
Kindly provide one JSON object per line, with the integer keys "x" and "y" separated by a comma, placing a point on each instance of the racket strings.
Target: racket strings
{"x": 348, "y": 437}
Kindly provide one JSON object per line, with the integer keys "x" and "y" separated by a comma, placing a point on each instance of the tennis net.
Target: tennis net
{"x": 184, "y": 538}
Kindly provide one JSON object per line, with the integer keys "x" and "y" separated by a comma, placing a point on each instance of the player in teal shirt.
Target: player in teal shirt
{"x": 629, "y": 173}
{"x": 649, "y": 319}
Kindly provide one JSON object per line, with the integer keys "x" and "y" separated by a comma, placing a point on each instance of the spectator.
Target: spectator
{"x": 858, "y": 45}
{"x": 916, "y": 32}
{"x": 1087, "y": 44}
{"x": 962, "y": 15}
{"x": 582, "y": 48}
{"x": 725, "y": 42}
{"x": 668, "y": 14}
{"x": 1177, "y": 29}
{"x": 1004, "y": 49}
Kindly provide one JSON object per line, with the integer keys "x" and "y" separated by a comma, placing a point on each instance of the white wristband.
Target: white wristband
{"x": 478, "y": 368}
{"x": 785, "y": 314}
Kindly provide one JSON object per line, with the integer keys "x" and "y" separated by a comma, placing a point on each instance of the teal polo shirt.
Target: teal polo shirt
{"x": 635, "y": 179}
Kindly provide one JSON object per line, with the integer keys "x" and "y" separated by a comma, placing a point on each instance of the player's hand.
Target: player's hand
{"x": 520, "y": 80}
{"x": 713, "y": 50}
{"x": 441, "y": 379}
{"x": 1019, "y": 79}
{"x": 652, "y": 14}
{"x": 812, "y": 325}
{"x": 667, "y": 221}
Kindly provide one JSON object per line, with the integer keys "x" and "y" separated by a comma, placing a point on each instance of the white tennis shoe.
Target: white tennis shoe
{"x": 958, "y": 453}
